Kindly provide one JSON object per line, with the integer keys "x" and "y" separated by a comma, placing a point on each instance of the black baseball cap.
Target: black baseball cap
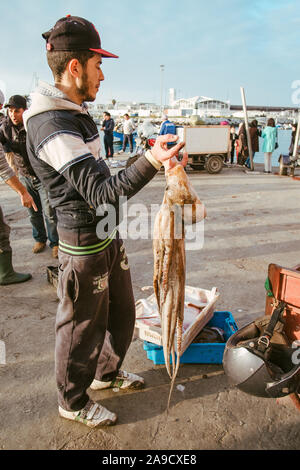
{"x": 16, "y": 101}
{"x": 73, "y": 33}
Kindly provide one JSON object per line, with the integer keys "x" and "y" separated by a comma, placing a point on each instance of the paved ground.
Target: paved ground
{"x": 252, "y": 220}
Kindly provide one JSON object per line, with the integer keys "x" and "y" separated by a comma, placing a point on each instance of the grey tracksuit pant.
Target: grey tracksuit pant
{"x": 95, "y": 316}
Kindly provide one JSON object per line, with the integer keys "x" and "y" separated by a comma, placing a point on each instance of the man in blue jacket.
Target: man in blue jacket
{"x": 167, "y": 127}
{"x": 96, "y": 313}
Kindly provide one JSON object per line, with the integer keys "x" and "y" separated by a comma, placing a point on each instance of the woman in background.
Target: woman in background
{"x": 243, "y": 146}
{"x": 233, "y": 138}
{"x": 270, "y": 137}
{"x": 254, "y": 135}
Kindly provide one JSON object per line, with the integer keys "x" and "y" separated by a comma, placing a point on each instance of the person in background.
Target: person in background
{"x": 13, "y": 137}
{"x": 243, "y": 146}
{"x": 7, "y": 273}
{"x": 237, "y": 143}
{"x": 167, "y": 127}
{"x": 270, "y": 143}
{"x": 8, "y": 155}
{"x": 255, "y": 133}
{"x": 2, "y": 99}
{"x": 108, "y": 125}
{"x": 128, "y": 130}
{"x": 233, "y": 139}
{"x": 291, "y": 147}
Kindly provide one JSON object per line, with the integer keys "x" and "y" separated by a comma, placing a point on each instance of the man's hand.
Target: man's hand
{"x": 27, "y": 201}
{"x": 174, "y": 161}
{"x": 160, "y": 150}
{"x": 17, "y": 186}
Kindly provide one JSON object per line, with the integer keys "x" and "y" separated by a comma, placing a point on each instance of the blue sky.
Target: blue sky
{"x": 209, "y": 48}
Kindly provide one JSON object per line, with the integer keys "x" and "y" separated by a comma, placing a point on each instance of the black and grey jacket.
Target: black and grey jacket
{"x": 13, "y": 139}
{"x": 5, "y": 170}
{"x": 63, "y": 145}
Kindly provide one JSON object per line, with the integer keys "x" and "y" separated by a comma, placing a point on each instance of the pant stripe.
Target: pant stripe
{"x": 88, "y": 249}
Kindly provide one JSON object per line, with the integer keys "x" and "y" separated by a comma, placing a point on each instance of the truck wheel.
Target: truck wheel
{"x": 214, "y": 164}
{"x": 282, "y": 169}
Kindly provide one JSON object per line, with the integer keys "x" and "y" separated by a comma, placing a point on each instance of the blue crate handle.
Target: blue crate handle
{"x": 233, "y": 326}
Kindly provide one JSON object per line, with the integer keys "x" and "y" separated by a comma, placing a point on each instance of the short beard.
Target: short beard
{"x": 84, "y": 88}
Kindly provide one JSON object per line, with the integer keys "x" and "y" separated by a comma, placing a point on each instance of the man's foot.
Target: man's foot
{"x": 38, "y": 247}
{"x": 7, "y": 272}
{"x": 121, "y": 151}
{"x": 14, "y": 278}
{"x": 93, "y": 414}
{"x": 55, "y": 252}
{"x": 124, "y": 381}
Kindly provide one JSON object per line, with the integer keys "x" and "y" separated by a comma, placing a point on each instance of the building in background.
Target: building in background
{"x": 202, "y": 106}
{"x": 208, "y": 109}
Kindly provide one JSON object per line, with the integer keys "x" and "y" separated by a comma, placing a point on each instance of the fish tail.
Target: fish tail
{"x": 173, "y": 377}
{"x": 175, "y": 367}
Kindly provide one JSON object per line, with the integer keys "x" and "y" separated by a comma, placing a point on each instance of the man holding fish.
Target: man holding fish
{"x": 96, "y": 312}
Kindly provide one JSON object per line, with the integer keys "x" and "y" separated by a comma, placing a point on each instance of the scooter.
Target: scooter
{"x": 288, "y": 162}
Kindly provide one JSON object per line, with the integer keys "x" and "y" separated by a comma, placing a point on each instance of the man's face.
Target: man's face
{"x": 91, "y": 77}
{"x": 16, "y": 115}
{"x": 106, "y": 118}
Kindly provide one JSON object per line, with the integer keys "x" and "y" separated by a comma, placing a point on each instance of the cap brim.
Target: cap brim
{"x": 12, "y": 105}
{"x": 105, "y": 53}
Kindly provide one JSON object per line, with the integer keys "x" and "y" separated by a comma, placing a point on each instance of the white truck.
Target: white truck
{"x": 207, "y": 146}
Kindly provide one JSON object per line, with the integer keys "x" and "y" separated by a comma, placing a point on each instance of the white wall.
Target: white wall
{"x": 174, "y": 112}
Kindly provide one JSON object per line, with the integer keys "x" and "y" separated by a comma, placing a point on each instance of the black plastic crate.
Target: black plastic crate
{"x": 52, "y": 275}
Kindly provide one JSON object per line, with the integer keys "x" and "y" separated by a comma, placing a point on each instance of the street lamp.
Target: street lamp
{"x": 162, "y": 68}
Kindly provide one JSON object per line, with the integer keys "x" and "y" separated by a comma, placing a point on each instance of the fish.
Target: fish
{"x": 181, "y": 206}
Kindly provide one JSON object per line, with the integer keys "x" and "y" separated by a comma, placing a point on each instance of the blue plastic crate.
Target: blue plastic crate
{"x": 199, "y": 353}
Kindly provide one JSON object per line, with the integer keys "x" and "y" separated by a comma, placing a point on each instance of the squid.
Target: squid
{"x": 181, "y": 206}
